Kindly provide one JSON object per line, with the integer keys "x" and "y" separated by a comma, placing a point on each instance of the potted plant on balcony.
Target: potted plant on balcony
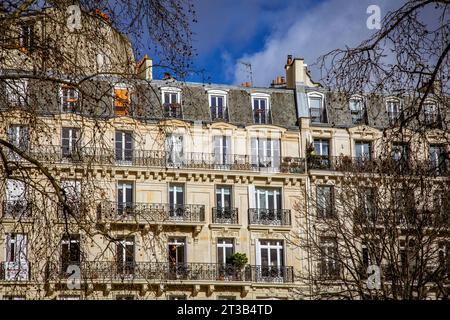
{"x": 238, "y": 261}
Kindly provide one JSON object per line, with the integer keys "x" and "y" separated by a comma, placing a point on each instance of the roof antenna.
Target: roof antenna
{"x": 248, "y": 67}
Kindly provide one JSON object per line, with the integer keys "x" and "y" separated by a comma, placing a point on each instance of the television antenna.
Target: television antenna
{"x": 248, "y": 70}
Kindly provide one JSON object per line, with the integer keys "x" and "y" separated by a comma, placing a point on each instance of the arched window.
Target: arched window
{"x": 358, "y": 109}
{"x": 317, "y": 111}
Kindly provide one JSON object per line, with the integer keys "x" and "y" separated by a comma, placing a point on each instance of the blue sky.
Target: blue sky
{"x": 264, "y": 32}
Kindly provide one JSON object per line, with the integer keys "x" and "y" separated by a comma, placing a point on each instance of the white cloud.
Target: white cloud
{"x": 332, "y": 24}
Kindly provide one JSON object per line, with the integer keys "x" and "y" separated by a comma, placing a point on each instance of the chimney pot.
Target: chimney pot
{"x": 278, "y": 80}
{"x": 283, "y": 81}
{"x": 289, "y": 59}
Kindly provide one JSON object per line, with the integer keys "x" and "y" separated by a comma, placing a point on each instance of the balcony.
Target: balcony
{"x": 225, "y": 215}
{"x": 262, "y": 116}
{"x": 173, "y": 110}
{"x": 15, "y": 271}
{"x": 165, "y": 159}
{"x": 111, "y": 271}
{"x": 16, "y": 209}
{"x": 269, "y": 217}
{"x": 152, "y": 213}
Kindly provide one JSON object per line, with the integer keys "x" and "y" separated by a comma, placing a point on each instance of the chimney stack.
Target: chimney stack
{"x": 144, "y": 68}
{"x": 166, "y": 76}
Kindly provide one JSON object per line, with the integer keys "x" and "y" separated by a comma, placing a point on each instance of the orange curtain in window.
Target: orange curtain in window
{"x": 121, "y": 101}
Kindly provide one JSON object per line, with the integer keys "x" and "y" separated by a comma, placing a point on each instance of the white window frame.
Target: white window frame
{"x": 221, "y": 243}
{"x": 61, "y": 97}
{"x": 263, "y": 96}
{"x": 218, "y": 93}
{"x": 123, "y": 134}
{"x": 175, "y": 90}
{"x": 390, "y": 110}
{"x": 173, "y": 140}
{"x": 315, "y": 95}
{"x": 16, "y": 266}
{"x": 321, "y": 142}
{"x": 16, "y": 90}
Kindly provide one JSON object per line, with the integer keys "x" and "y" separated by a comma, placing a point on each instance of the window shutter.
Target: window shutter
{"x": 254, "y": 150}
{"x": 251, "y": 196}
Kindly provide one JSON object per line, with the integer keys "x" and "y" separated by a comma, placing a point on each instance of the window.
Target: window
{"x": 325, "y": 202}
{"x": 218, "y": 105}
{"x": 177, "y": 253}
{"x": 121, "y": 101}
{"x": 223, "y": 212}
{"x": 363, "y": 150}
{"x": 370, "y": 253}
{"x": 26, "y": 38}
{"x": 437, "y": 157}
{"x": 125, "y": 198}
{"x": 222, "y": 150}
{"x": 409, "y": 254}
{"x": 400, "y": 152}
{"x": 270, "y": 258}
{"x": 174, "y": 149}
{"x": 69, "y": 99}
{"x": 16, "y": 92}
{"x": 261, "y": 109}
{"x": 16, "y": 205}
{"x": 321, "y": 157}
{"x": 16, "y": 265}
{"x": 70, "y": 143}
{"x": 441, "y": 206}
{"x": 125, "y": 256}
{"x": 317, "y": 111}
{"x": 329, "y": 265}
{"x": 358, "y": 110}
{"x": 225, "y": 249}
{"x": 18, "y": 135}
{"x": 430, "y": 112}
{"x": 267, "y": 204}
{"x": 124, "y": 147}
{"x": 72, "y": 189}
{"x": 171, "y": 100}
{"x": 70, "y": 251}
{"x": 393, "y": 108}
{"x": 368, "y": 204}
{"x": 444, "y": 257}
{"x": 266, "y": 153}
{"x": 176, "y": 201}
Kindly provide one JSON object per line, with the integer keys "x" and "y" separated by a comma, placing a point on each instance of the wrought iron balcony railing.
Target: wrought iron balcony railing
{"x": 173, "y": 110}
{"x": 150, "y": 212}
{"x": 160, "y": 158}
{"x": 16, "y": 271}
{"x": 225, "y": 215}
{"x": 104, "y": 271}
{"x": 16, "y": 209}
{"x": 269, "y": 217}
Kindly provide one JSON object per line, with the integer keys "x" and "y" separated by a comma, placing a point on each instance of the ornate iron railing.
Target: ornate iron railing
{"x": 225, "y": 215}
{"x": 165, "y": 271}
{"x": 16, "y": 209}
{"x": 272, "y": 217}
{"x": 150, "y": 212}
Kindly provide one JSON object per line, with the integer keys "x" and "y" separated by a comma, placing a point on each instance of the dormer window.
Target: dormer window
{"x": 218, "y": 105}
{"x": 171, "y": 101}
{"x": 261, "y": 108}
{"x": 121, "y": 100}
{"x": 317, "y": 110}
{"x": 358, "y": 110}
{"x": 393, "y": 108}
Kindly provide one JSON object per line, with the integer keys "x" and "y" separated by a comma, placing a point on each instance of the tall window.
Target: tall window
{"x": 69, "y": 99}
{"x": 70, "y": 251}
{"x": 70, "y": 142}
{"x": 125, "y": 198}
{"x": 121, "y": 101}
{"x": 368, "y": 204}
{"x": 224, "y": 212}
{"x": 430, "y": 112}
{"x": 329, "y": 264}
{"x": 325, "y": 202}
{"x": 317, "y": 111}
{"x": 218, "y": 107}
{"x": 321, "y": 157}
{"x": 437, "y": 158}
{"x": 16, "y": 265}
{"x": 125, "y": 252}
{"x": 222, "y": 150}
{"x": 177, "y": 251}
{"x": 266, "y": 153}
{"x": 363, "y": 150}
{"x": 174, "y": 149}
{"x": 16, "y": 92}
{"x": 268, "y": 198}
{"x": 176, "y": 201}
{"x": 16, "y": 205}
{"x": 393, "y": 108}
{"x": 26, "y": 39}
{"x": 261, "y": 110}
{"x": 18, "y": 135}
{"x": 171, "y": 100}
{"x": 225, "y": 249}
{"x": 124, "y": 147}
{"x": 358, "y": 110}
{"x": 270, "y": 258}
{"x": 400, "y": 152}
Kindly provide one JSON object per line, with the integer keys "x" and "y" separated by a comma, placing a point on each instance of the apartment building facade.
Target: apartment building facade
{"x": 164, "y": 181}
